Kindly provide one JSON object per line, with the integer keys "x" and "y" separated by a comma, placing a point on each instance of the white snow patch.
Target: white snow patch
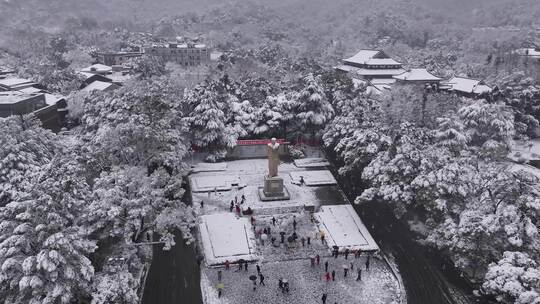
{"x": 344, "y": 228}
{"x": 209, "y": 167}
{"x": 215, "y": 182}
{"x": 226, "y": 237}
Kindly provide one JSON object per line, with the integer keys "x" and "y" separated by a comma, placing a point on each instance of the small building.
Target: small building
{"x": 186, "y": 54}
{"x": 117, "y": 58}
{"x": 371, "y": 64}
{"x": 466, "y": 87}
{"x": 19, "y": 103}
{"x": 419, "y": 76}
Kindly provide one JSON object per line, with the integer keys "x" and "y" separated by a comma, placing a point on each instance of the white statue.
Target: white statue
{"x": 273, "y": 158}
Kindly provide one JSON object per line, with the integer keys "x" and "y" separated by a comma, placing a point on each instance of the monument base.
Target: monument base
{"x": 273, "y": 189}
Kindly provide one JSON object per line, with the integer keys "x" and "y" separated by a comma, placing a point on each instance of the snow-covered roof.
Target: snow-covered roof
{"x": 97, "y": 68}
{"x": 417, "y": 75}
{"x": 380, "y": 81}
{"x": 468, "y": 85}
{"x": 16, "y": 82}
{"x": 362, "y": 57}
{"x": 370, "y": 57}
{"x": 379, "y": 72}
{"x": 346, "y": 68}
{"x": 11, "y": 97}
{"x": 98, "y": 85}
{"x": 30, "y": 90}
{"x": 382, "y": 61}
{"x": 51, "y": 99}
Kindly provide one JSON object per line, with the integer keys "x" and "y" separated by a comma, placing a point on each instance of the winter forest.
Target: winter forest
{"x": 80, "y": 206}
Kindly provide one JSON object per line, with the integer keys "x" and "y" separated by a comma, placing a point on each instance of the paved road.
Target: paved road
{"x": 174, "y": 276}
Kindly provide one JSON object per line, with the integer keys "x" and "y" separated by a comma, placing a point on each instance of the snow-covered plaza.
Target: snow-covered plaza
{"x": 283, "y": 237}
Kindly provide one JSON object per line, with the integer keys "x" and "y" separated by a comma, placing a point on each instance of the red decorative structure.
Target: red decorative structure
{"x": 254, "y": 142}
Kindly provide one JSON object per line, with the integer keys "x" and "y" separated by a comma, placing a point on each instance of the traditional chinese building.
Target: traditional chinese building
{"x": 372, "y": 64}
{"x": 466, "y": 86}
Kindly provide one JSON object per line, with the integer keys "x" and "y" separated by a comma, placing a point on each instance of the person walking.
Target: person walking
{"x": 333, "y": 275}
{"x": 246, "y": 266}
{"x": 261, "y": 279}
{"x": 322, "y": 237}
{"x": 318, "y": 259}
{"x": 273, "y": 221}
{"x": 231, "y": 207}
{"x": 219, "y": 275}
{"x": 227, "y": 265}
{"x": 309, "y": 240}
{"x": 238, "y": 210}
{"x": 312, "y": 260}
{"x": 327, "y": 276}
{"x": 352, "y": 266}
{"x": 346, "y": 253}
{"x": 324, "y": 296}
{"x": 326, "y": 266}
{"x": 367, "y": 263}
{"x": 345, "y": 271}
{"x": 258, "y": 269}
{"x": 280, "y": 284}
{"x": 294, "y": 223}
{"x": 202, "y": 204}
{"x": 359, "y": 275}
{"x": 303, "y": 240}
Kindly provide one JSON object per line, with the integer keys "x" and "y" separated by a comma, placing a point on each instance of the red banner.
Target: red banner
{"x": 253, "y": 142}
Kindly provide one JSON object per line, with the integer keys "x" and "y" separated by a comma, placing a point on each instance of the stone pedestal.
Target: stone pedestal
{"x": 273, "y": 189}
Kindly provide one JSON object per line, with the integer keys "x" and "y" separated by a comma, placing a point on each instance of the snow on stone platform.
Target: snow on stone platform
{"x": 311, "y": 162}
{"x": 307, "y": 283}
{"x": 343, "y": 228}
{"x": 209, "y": 167}
{"x": 226, "y": 237}
{"x": 208, "y": 183}
{"x": 313, "y": 178}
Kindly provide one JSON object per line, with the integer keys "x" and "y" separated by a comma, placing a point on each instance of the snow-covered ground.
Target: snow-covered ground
{"x": 209, "y": 167}
{"x": 290, "y": 260}
{"x": 343, "y": 228}
{"x": 307, "y": 283}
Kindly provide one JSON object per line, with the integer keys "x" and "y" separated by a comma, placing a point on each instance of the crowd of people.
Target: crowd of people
{"x": 328, "y": 275}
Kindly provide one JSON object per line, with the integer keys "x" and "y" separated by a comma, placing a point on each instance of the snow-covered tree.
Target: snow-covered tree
{"x": 311, "y": 107}
{"x": 208, "y": 121}
{"x": 126, "y": 203}
{"x": 43, "y": 249}
{"x": 275, "y": 113}
{"x": 137, "y": 125}
{"x": 514, "y": 279}
{"x": 26, "y": 148}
